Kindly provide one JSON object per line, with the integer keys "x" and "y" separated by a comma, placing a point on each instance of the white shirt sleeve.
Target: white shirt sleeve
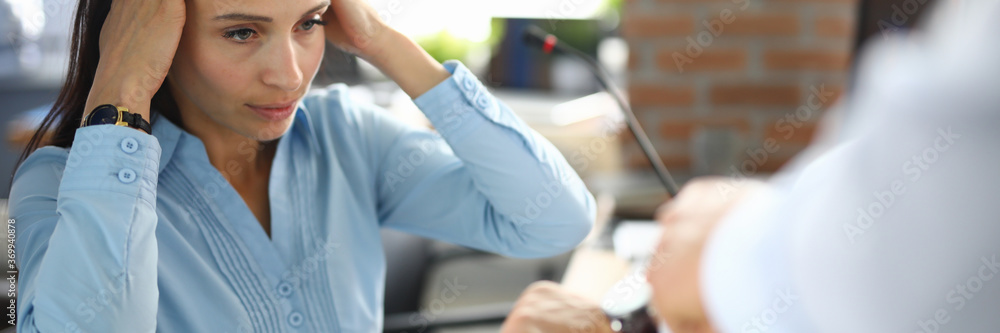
{"x": 892, "y": 223}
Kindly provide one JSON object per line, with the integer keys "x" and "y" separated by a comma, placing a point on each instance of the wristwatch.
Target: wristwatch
{"x": 637, "y": 321}
{"x": 117, "y": 115}
{"x": 629, "y": 312}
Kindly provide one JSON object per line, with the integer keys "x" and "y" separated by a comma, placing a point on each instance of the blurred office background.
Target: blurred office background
{"x": 708, "y": 79}
{"x": 711, "y": 81}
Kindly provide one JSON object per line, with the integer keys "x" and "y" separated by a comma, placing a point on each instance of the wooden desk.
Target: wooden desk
{"x": 593, "y": 271}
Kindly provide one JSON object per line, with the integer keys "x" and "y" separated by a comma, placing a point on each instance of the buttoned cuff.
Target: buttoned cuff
{"x": 461, "y": 103}
{"x": 113, "y": 158}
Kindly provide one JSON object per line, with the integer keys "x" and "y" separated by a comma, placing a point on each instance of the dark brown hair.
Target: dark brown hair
{"x": 59, "y": 126}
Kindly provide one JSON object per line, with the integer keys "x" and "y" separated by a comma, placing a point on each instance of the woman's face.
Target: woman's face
{"x": 243, "y": 65}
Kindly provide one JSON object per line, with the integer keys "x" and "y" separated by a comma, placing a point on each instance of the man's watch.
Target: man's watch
{"x": 630, "y": 312}
{"x": 636, "y": 321}
{"x": 117, "y": 115}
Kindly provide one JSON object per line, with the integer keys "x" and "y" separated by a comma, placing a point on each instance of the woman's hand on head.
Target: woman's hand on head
{"x": 137, "y": 44}
{"x": 354, "y": 26}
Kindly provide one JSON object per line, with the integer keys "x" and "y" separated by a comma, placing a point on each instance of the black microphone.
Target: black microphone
{"x": 537, "y": 37}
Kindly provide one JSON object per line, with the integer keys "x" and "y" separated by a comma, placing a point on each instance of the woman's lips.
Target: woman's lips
{"x": 274, "y": 112}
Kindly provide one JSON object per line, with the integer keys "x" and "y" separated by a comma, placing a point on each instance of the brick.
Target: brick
{"x": 633, "y": 59}
{"x": 699, "y": 2}
{"x": 817, "y": 1}
{"x": 625, "y": 136}
{"x": 761, "y": 158}
{"x": 837, "y": 92}
{"x": 652, "y": 95}
{"x": 645, "y": 25}
{"x": 755, "y": 94}
{"x": 635, "y": 159}
{"x": 709, "y": 60}
{"x": 785, "y": 132}
{"x": 684, "y": 129}
{"x": 832, "y": 93}
{"x": 747, "y": 24}
{"x": 836, "y": 27}
{"x": 806, "y": 60}
{"x": 776, "y": 161}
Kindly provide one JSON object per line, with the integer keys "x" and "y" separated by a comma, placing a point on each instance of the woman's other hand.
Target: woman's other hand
{"x": 355, "y": 27}
{"x": 137, "y": 44}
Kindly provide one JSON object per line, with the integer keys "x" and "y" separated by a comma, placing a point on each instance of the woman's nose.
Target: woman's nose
{"x": 282, "y": 68}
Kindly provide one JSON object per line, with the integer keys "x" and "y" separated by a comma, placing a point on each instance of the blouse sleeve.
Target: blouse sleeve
{"x": 85, "y": 243}
{"x": 486, "y": 180}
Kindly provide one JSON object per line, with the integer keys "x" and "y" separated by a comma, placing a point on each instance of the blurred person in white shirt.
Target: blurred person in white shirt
{"x": 890, "y": 222}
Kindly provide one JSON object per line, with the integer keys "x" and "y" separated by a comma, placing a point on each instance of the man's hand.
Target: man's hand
{"x": 688, "y": 220}
{"x": 545, "y": 307}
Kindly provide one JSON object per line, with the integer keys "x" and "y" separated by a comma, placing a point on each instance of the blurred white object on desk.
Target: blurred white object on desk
{"x": 636, "y": 240}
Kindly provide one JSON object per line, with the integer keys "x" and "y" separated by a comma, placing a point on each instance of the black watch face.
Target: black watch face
{"x": 103, "y": 115}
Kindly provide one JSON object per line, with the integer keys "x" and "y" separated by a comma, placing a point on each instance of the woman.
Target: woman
{"x": 254, "y": 206}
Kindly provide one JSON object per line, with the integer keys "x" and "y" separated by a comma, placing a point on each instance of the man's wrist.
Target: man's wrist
{"x": 604, "y": 325}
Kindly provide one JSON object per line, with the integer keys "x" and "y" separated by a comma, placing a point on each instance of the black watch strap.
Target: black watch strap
{"x": 638, "y": 321}
{"x": 110, "y": 114}
{"x": 135, "y": 120}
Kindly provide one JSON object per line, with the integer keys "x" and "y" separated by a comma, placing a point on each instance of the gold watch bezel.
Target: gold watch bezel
{"x": 121, "y": 115}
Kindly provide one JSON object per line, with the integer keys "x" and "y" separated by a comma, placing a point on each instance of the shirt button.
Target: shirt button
{"x": 483, "y": 101}
{"x": 469, "y": 83}
{"x": 295, "y": 319}
{"x": 126, "y": 175}
{"x": 284, "y": 289}
{"x": 129, "y": 145}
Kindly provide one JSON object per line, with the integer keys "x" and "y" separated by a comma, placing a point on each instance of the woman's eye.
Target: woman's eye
{"x": 240, "y": 35}
{"x": 308, "y": 25}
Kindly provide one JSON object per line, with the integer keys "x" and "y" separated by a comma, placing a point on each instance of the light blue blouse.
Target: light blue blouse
{"x": 129, "y": 232}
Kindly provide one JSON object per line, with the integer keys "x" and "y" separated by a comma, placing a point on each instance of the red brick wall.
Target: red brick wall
{"x": 737, "y": 73}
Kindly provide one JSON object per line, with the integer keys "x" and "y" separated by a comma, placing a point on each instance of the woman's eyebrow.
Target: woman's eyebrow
{"x": 259, "y": 18}
{"x": 242, "y": 17}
